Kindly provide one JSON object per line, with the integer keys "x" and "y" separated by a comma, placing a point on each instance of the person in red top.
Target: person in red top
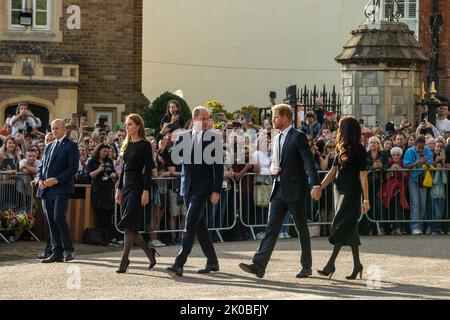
{"x": 393, "y": 192}
{"x": 7, "y": 129}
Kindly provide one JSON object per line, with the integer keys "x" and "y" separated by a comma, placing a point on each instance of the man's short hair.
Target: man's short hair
{"x": 284, "y": 110}
{"x": 420, "y": 140}
{"x": 310, "y": 114}
{"x": 196, "y": 112}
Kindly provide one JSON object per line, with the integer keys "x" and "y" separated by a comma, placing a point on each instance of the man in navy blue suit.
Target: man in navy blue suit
{"x": 292, "y": 163}
{"x": 201, "y": 181}
{"x": 56, "y": 177}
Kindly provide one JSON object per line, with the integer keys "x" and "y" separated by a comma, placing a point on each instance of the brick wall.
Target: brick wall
{"x": 426, "y": 9}
{"x": 108, "y": 49}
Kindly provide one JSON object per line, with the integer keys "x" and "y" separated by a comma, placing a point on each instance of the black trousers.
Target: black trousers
{"x": 55, "y": 208}
{"x": 277, "y": 211}
{"x": 196, "y": 226}
{"x": 103, "y": 221}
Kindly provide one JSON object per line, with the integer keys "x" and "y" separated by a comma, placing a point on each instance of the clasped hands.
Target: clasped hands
{"x": 47, "y": 183}
{"x": 316, "y": 192}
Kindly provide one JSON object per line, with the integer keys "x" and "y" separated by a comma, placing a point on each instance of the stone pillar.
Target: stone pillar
{"x": 381, "y": 73}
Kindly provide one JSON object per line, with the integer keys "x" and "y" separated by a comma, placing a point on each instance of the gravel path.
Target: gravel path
{"x": 395, "y": 268}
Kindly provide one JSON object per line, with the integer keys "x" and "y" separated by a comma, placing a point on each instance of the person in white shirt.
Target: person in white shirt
{"x": 29, "y": 167}
{"x": 23, "y": 119}
{"x": 442, "y": 122}
{"x": 30, "y": 164}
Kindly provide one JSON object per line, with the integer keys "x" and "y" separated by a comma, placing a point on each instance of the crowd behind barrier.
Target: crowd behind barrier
{"x": 400, "y": 160}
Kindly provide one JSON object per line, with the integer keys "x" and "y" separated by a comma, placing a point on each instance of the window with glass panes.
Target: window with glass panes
{"x": 15, "y": 8}
{"x": 409, "y": 9}
{"x": 41, "y": 13}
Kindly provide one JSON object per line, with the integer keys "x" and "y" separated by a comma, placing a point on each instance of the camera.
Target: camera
{"x": 108, "y": 168}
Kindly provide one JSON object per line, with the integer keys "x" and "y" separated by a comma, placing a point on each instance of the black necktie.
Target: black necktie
{"x": 50, "y": 156}
{"x": 279, "y": 149}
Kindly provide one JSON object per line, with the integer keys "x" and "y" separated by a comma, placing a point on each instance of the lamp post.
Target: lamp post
{"x": 435, "y": 26}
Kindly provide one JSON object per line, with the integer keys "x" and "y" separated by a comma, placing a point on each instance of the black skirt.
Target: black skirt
{"x": 347, "y": 197}
{"x": 131, "y": 210}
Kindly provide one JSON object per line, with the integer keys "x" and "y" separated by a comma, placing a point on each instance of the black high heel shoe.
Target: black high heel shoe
{"x": 123, "y": 266}
{"x": 153, "y": 259}
{"x": 327, "y": 273}
{"x": 355, "y": 273}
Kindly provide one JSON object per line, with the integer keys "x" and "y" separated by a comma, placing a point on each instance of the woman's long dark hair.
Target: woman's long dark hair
{"x": 348, "y": 139}
{"x": 175, "y": 102}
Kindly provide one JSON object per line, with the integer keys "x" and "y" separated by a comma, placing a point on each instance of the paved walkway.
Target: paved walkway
{"x": 395, "y": 268}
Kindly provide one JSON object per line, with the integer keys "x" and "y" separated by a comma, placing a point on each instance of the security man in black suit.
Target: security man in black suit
{"x": 291, "y": 155}
{"x": 55, "y": 179}
{"x": 200, "y": 152}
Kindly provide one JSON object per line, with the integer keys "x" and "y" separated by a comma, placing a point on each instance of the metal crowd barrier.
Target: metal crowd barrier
{"x": 167, "y": 211}
{"x": 250, "y": 204}
{"x": 16, "y": 195}
{"x": 395, "y": 196}
{"x": 254, "y": 197}
{"x": 254, "y": 193}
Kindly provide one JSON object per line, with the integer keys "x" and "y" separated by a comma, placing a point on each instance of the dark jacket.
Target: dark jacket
{"x": 63, "y": 166}
{"x": 199, "y": 179}
{"x": 296, "y": 157}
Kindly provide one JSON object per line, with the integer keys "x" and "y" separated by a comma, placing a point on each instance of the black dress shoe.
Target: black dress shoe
{"x": 44, "y": 255}
{"x": 54, "y": 258}
{"x": 209, "y": 268}
{"x": 304, "y": 273}
{"x": 175, "y": 271}
{"x": 69, "y": 256}
{"x": 253, "y": 268}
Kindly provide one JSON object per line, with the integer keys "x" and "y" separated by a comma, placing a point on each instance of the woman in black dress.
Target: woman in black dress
{"x": 134, "y": 186}
{"x": 350, "y": 171}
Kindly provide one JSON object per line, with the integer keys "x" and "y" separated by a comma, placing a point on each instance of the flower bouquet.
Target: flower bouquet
{"x": 10, "y": 220}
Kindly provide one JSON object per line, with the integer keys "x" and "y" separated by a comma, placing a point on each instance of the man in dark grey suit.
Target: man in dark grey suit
{"x": 291, "y": 155}
{"x": 55, "y": 179}
{"x": 201, "y": 181}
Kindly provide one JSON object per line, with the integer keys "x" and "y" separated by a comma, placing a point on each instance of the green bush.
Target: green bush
{"x": 156, "y": 111}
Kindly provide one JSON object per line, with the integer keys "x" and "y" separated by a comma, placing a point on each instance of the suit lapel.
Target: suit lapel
{"x": 286, "y": 141}
{"x": 63, "y": 142}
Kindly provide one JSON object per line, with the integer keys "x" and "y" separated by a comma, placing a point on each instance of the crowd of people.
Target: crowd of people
{"x": 398, "y": 161}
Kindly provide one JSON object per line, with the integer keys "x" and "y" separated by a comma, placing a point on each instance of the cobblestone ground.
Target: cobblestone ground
{"x": 395, "y": 268}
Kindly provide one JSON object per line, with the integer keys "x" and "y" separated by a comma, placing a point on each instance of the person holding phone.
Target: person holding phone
{"x": 414, "y": 159}
{"x": 10, "y": 156}
{"x": 23, "y": 119}
{"x": 172, "y": 119}
{"x": 426, "y": 127}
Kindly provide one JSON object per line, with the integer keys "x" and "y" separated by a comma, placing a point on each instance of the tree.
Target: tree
{"x": 252, "y": 112}
{"x": 156, "y": 111}
{"x": 215, "y": 107}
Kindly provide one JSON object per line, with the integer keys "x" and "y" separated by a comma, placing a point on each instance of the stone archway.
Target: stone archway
{"x": 5, "y": 104}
